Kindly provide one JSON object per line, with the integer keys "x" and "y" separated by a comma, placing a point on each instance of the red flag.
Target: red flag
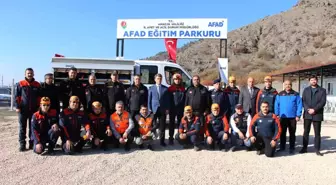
{"x": 58, "y": 55}
{"x": 171, "y": 45}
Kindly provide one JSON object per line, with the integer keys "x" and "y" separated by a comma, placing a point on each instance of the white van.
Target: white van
{"x": 102, "y": 68}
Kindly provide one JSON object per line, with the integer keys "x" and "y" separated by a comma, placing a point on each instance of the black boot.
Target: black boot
{"x": 31, "y": 145}
{"x": 150, "y": 147}
{"x": 22, "y": 147}
{"x": 318, "y": 153}
{"x": 303, "y": 150}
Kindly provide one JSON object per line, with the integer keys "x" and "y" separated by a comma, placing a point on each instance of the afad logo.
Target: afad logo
{"x": 123, "y": 24}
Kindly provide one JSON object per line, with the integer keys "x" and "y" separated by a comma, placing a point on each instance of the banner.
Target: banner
{"x": 172, "y": 28}
{"x": 223, "y": 67}
{"x": 171, "y": 46}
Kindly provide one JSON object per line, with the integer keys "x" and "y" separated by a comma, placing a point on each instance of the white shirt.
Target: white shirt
{"x": 236, "y": 129}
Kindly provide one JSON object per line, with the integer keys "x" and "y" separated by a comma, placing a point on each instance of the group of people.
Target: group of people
{"x": 226, "y": 118}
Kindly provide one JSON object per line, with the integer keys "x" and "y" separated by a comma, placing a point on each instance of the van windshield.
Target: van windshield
{"x": 148, "y": 73}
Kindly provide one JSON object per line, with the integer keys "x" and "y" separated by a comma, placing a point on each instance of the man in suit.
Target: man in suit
{"x": 314, "y": 99}
{"x": 159, "y": 103}
{"x": 248, "y": 97}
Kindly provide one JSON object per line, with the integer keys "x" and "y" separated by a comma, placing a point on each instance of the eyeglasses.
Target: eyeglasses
{"x": 46, "y": 105}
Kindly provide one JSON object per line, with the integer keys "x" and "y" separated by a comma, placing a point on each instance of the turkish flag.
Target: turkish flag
{"x": 171, "y": 45}
{"x": 58, "y": 55}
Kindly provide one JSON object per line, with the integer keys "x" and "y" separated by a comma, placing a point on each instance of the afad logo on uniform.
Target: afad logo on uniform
{"x": 123, "y": 24}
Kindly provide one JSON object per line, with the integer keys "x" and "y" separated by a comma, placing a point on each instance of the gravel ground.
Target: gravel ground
{"x": 170, "y": 166}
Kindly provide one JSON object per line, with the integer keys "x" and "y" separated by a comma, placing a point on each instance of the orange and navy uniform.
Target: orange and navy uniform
{"x": 27, "y": 96}
{"x": 41, "y": 124}
{"x": 71, "y": 123}
{"x": 267, "y": 95}
{"x": 99, "y": 124}
{"x": 267, "y": 126}
{"x": 216, "y": 124}
{"x": 190, "y": 128}
{"x": 178, "y": 96}
{"x": 233, "y": 94}
{"x": 121, "y": 123}
{"x": 145, "y": 123}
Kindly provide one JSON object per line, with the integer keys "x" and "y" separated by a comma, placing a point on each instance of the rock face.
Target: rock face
{"x": 307, "y": 32}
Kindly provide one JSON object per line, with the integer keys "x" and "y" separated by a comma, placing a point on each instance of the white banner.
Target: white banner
{"x": 223, "y": 67}
{"x": 172, "y": 28}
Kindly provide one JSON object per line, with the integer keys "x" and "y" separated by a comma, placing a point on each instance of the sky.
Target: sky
{"x": 31, "y": 32}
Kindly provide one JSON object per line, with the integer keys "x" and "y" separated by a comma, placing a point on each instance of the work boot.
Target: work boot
{"x": 162, "y": 143}
{"x": 303, "y": 150}
{"x": 318, "y": 153}
{"x": 171, "y": 141}
{"x": 127, "y": 148}
{"x": 31, "y": 145}
{"x": 150, "y": 147}
{"x": 291, "y": 151}
{"x": 22, "y": 148}
{"x": 141, "y": 146}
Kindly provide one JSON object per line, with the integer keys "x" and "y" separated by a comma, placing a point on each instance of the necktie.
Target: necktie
{"x": 158, "y": 90}
{"x": 251, "y": 91}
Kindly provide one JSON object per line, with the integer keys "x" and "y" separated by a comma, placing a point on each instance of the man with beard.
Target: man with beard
{"x": 197, "y": 96}
{"x": 27, "y": 99}
{"x": 189, "y": 130}
{"x": 268, "y": 131}
{"x": 314, "y": 99}
{"x": 72, "y": 87}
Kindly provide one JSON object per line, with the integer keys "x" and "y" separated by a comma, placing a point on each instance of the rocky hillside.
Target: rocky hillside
{"x": 306, "y": 32}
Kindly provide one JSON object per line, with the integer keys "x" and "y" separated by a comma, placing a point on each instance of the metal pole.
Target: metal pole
{"x": 117, "y": 53}
{"x": 225, "y": 50}
{"x": 122, "y": 47}
{"x": 220, "y": 48}
{"x": 12, "y": 96}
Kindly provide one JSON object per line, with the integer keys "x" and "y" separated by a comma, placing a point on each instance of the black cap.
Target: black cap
{"x": 216, "y": 81}
{"x": 239, "y": 106}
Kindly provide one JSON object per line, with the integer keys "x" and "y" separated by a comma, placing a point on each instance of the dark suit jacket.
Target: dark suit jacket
{"x": 318, "y": 106}
{"x": 154, "y": 101}
{"x": 245, "y": 99}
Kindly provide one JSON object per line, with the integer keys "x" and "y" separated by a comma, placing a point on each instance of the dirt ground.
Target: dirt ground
{"x": 165, "y": 166}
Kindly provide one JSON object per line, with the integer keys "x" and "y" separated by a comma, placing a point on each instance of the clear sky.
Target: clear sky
{"x": 31, "y": 32}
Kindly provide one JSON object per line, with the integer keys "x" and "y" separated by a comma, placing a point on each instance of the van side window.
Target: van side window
{"x": 148, "y": 73}
{"x": 170, "y": 71}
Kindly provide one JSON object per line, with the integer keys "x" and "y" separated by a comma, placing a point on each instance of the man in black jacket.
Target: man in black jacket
{"x": 72, "y": 87}
{"x": 197, "y": 96}
{"x": 218, "y": 96}
{"x": 93, "y": 93}
{"x": 114, "y": 91}
{"x": 48, "y": 89}
{"x": 136, "y": 95}
{"x": 314, "y": 99}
